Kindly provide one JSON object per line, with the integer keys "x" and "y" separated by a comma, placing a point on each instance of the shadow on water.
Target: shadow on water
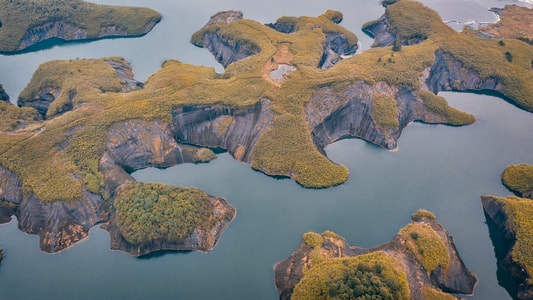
{"x": 161, "y": 253}
{"x": 501, "y": 248}
{"x": 53, "y": 42}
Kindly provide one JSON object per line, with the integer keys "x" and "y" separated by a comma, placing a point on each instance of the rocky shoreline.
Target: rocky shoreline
{"x": 455, "y": 278}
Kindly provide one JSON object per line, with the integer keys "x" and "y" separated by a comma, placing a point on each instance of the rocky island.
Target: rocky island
{"x": 515, "y": 23}
{"x": 24, "y": 23}
{"x": 420, "y": 262}
{"x": 288, "y": 90}
{"x": 513, "y": 219}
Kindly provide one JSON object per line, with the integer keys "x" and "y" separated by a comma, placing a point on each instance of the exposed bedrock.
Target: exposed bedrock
{"x": 59, "y": 224}
{"x": 137, "y": 144}
{"x": 3, "y": 95}
{"x": 336, "y": 47}
{"x": 47, "y": 94}
{"x": 69, "y": 32}
{"x": 449, "y": 74}
{"x": 201, "y": 239}
{"x": 456, "y": 278}
{"x": 226, "y": 50}
{"x": 217, "y": 126}
{"x": 335, "y": 115}
{"x": 383, "y": 34}
{"x": 496, "y": 211}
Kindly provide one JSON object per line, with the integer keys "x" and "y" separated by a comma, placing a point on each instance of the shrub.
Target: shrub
{"x": 369, "y": 276}
{"x": 313, "y": 240}
{"x": 518, "y": 178}
{"x": 422, "y": 214}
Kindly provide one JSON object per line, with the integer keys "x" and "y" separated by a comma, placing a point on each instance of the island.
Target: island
{"x": 24, "y": 23}
{"x": 288, "y": 90}
{"x": 513, "y": 220}
{"x": 420, "y": 262}
{"x": 515, "y": 23}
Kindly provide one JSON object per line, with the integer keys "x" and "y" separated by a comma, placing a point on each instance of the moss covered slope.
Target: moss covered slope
{"x": 25, "y": 22}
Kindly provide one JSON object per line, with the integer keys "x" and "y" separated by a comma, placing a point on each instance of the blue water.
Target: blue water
{"x": 443, "y": 169}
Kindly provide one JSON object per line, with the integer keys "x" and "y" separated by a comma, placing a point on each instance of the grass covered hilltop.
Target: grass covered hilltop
{"x": 85, "y": 124}
{"x": 513, "y": 217}
{"x": 24, "y": 23}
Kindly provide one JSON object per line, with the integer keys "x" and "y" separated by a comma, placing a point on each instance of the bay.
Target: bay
{"x": 443, "y": 169}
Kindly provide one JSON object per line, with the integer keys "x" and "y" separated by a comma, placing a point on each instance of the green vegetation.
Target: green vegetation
{"x": 370, "y": 276}
{"x": 439, "y": 105}
{"x": 20, "y": 16}
{"x": 13, "y": 117}
{"x": 58, "y": 158}
{"x": 385, "y": 111}
{"x": 422, "y": 214}
{"x": 519, "y": 211}
{"x": 147, "y": 212}
{"x": 518, "y": 178}
{"x": 313, "y": 240}
{"x": 426, "y": 245}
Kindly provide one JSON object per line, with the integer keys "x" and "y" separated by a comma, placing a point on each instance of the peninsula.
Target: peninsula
{"x": 513, "y": 219}
{"x": 24, "y": 23}
{"x": 288, "y": 90}
{"x": 420, "y": 262}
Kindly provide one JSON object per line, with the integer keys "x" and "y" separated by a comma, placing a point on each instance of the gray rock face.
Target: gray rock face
{"x": 218, "y": 126}
{"x": 3, "y": 95}
{"x": 69, "y": 32}
{"x": 455, "y": 279}
{"x": 335, "y": 48}
{"x": 284, "y": 25}
{"x": 48, "y": 94}
{"x": 496, "y": 211}
{"x": 447, "y": 74}
{"x": 58, "y": 224}
{"x": 348, "y": 113}
{"x": 227, "y": 51}
{"x": 384, "y": 36}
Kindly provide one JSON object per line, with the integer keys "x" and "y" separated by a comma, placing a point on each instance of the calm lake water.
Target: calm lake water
{"x": 443, "y": 169}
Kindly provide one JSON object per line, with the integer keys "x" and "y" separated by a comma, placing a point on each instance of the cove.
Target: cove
{"x": 443, "y": 169}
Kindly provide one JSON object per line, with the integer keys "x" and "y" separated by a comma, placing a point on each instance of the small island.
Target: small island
{"x": 24, "y": 23}
{"x": 289, "y": 89}
{"x": 513, "y": 218}
{"x": 420, "y": 262}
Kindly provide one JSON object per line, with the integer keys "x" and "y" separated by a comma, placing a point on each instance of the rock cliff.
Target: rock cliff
{"x": 496, "y": 210}
{"x": 455, "y": 278}
{"x": 52, "y": 90}
{"x": 28, "y": 24}
{"x": 3, "y": 95}
{"x": 58, "y": 224}
{"x": 218, "y": 126}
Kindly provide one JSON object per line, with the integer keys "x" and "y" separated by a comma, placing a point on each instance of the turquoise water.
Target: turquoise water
{"x": 443, "y": 169}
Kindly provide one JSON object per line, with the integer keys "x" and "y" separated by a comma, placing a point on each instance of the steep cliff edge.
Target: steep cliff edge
{"x": 53, "y": 91}
{"x": 403, "y": 264}
{"x": 3, "y": 95}
{"x": 26, "y": 23}
{"x": 512, "y": 217}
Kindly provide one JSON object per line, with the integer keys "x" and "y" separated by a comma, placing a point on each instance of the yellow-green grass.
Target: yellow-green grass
{"x": 69, "y": 146}
{"x": 375, "y": 274}
{"x": 147, "y": 212}
{"x": 19, "y": 16}
{"x": 519, "y": 211}
{"x": 439, "y": 105}
{"x": 433, "y": 294}
{"x": 422, "y": 214}
{"x": 385, "y": 111}
{"x": 13, "y": 117}
{"x": 518, "y": 178}
{"x": 426, "y": 245}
